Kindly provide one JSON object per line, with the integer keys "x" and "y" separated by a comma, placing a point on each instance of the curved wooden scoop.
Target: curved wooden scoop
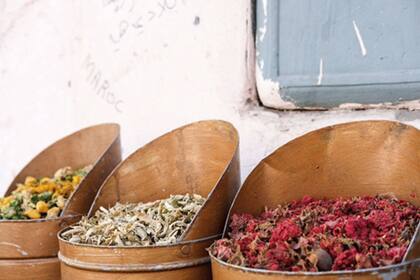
{"x": 97, "y": 145}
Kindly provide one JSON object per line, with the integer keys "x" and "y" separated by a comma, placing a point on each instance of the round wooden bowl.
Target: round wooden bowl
{"x": 32, "y": 245}
{"x": 346, "y": 160}
{"x": 199, "y": 158}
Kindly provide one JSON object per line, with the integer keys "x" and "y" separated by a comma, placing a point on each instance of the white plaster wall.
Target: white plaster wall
{"x": 149, "y": 65}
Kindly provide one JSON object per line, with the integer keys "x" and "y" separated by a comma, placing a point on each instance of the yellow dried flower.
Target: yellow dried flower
{"x": 76, "y": 179}
{"x": 42, "y": 206}
{"x": 32, "y": 214}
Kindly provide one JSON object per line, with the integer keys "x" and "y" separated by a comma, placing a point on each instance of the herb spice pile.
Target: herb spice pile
{"x": 321, "y": 235}
{"x": 160, "y": 222}
{"x": 41, "y": 198}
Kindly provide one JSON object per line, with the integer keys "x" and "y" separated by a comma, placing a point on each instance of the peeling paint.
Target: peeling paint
{"x": 269, "y": 92}
{"x": 265, "y": 7}
{"x": 262, "y": 64}
{"x": 359, "y": 39}
{"x": 263, "y": 30}
{"x": 321, "y": 71}
{"x": 407, "y": 105}
{"x": 312, "y": 84}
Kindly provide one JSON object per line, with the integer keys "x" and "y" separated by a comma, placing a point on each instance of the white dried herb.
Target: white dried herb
{"x": 160, "y": 222}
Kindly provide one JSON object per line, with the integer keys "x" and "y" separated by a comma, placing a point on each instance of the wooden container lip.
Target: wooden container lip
{"x": 27, "y": 262}
{"x": 376, "y": 270}
{"x": 30, "y": 221}
{"x": 68, "y": 215}
{"x": 381, "y": 269}
{"x": 133, "y": 268}
{"x": 228, "y": 164}
{"x": 71, "y": 254}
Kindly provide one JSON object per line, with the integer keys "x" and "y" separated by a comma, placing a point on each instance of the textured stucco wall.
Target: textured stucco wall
{"x": 151, "y": 67}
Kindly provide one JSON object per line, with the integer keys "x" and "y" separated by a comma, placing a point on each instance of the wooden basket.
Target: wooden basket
{"x": 28, "y": 248}
{"x": 346, "y": 160}
{"x": 200, "y": 158}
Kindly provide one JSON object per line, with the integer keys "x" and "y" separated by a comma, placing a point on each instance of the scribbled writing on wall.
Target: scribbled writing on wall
{"x": 135, "y": 22}
{"x": 99, "y": 85}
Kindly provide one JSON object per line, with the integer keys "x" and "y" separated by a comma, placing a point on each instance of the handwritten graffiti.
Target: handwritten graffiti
{"x": 99, "y": 85}
{"x": 138, "y": 21}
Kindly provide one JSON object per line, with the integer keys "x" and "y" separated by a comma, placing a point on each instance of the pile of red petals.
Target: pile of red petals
{"x": 321, "y": 235}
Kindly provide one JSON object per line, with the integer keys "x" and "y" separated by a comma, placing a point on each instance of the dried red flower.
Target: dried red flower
{"x": 315, "y": 235}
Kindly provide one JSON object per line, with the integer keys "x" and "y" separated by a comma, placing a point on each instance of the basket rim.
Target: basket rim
{"x": 31, "y": 261}
{"x": 42, "y": 220}
{"x": 381, "y": 269}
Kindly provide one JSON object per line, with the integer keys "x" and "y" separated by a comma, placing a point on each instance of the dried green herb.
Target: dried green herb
{"x": 160, "y": 222}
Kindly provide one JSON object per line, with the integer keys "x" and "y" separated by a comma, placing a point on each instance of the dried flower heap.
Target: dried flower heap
{"x": 321, "y": 235}
{"x": 160, "y": 222}
{"x": 41, "y": 198}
